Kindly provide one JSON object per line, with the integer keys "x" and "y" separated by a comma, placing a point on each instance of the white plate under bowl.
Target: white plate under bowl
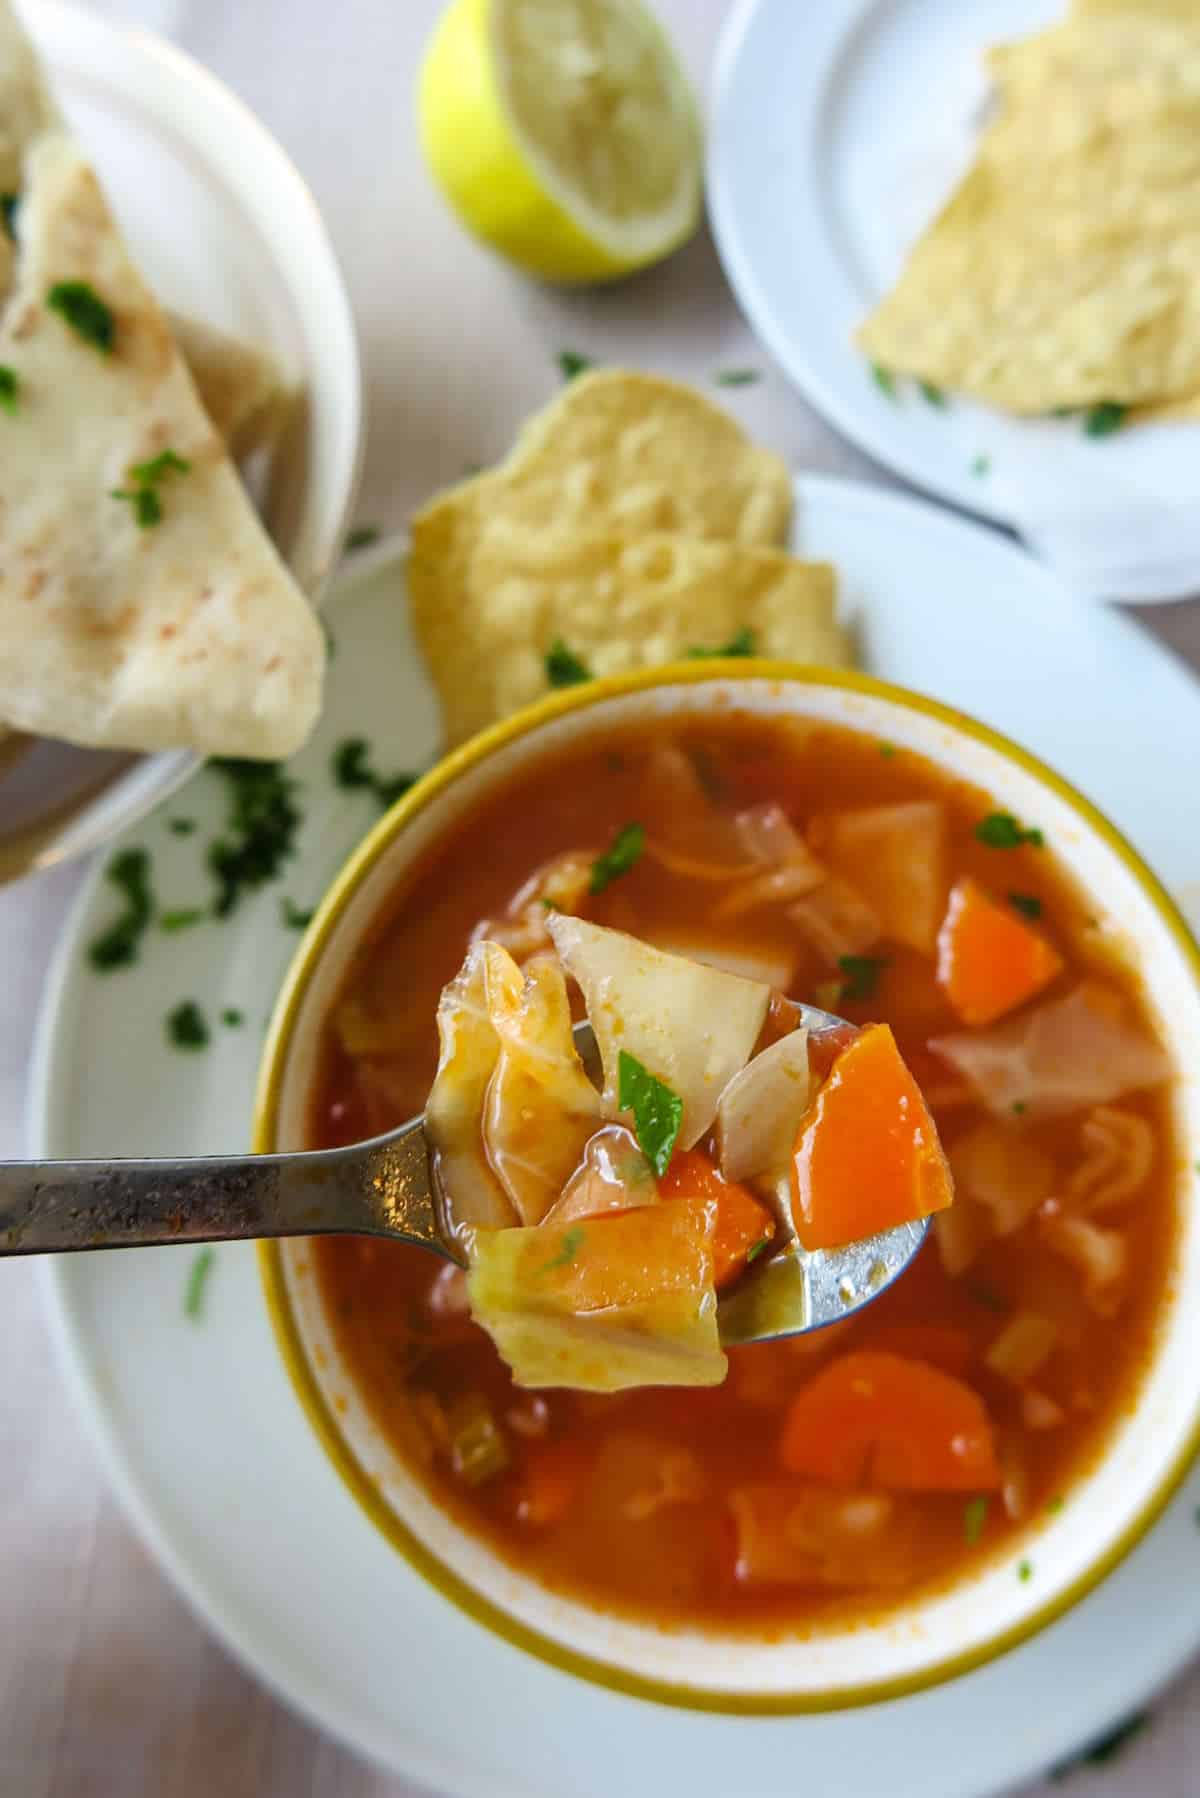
{"x": 836, "y": 132}
{"x": 197, "y": 1422}
{"x": 226, "y": 230}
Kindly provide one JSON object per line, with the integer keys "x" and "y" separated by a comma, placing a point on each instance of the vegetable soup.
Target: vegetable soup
{"x": 826, "y": 1475}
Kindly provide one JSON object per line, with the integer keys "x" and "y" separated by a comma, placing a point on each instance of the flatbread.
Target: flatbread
{"x": 488, "y": 607}
{"x": 191, "y": 633}
{"x": 242, "y": 387}
{"x": 26, "y": 107}
{"x": 1065, "y": 269}
{"x": 631, "y": 452}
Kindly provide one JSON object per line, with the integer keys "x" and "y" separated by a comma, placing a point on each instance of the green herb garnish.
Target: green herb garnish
{"x": 1054, "y": 1505}
{"x": 626, "y": 851}
{"x": 550, "y": 905}
{"x": 117, "y": 946}
{"x": 1028, "y": 904}
{"x": 1000, "y": 830}
{"x": 1062, "y": 412}
{"x": 563, "y": 666}
{"x": 974, "y": 1518}
{"x": 742, "y": 644}
{"x": 1019, "y": 1107}
{"x": 150, "y": 474}
{"x": 1024, "y": 1570}
{"x": 147, "y": 507}
{"x": 932, "y": 394}
{"x": 571, "y": 363}
{"x": 232, "y": 1018}
{"x": 351, "y": 769}
{"x": 262, "y": 823}
{"x": 182, "y": 827}
{"x": 887, "y": 751}
{"x": 1104, "y": 419}
{"x": 1106, "y": 1749}
{"x": 570, "y": 1246}
{"x": 981, "y": 465}
{"x": 361, "y": 537}
{"x": 187, "y": 1027}
{"x": 8, "y": 214}
{"x": 85, "y": 312}
{"x": 862, "y": 975}
{"x": 9, "y": 388}
{"x": 883, "y": 379}
{"x": 171, "y": 921}
{"x": 737, "y": 377}
{"x": 756, "y": 1249}
{"x": 294, "y": 916}
{"x": 193, "y": 1297}
{"x": 657, "y": 1111}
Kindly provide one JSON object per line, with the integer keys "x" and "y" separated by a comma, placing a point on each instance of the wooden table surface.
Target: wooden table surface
{"x": 109, "y": 1687}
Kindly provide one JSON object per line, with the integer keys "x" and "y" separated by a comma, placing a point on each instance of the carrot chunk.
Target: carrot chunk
{"x": 879, "y": 1420}
{"x": 867, "y": 1156}
{"x": 742, "y": 1222}
{"x": 989, "y": 960}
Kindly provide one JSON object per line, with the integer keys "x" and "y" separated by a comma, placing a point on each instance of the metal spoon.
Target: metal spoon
{"x": 385, "y": 1187}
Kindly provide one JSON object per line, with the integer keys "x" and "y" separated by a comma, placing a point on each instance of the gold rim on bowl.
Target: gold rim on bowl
{"x": 279, "y": 1306}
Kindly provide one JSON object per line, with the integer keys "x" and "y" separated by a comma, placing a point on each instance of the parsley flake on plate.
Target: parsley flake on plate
{"x": 181, "y": 827}
{"x": 1000, "y": 830}
{"x": 625, "y": 853}
{"x": 83, "y": 309}
{"x": 351, "y": 768}
{"x": 187, "y": 1027}
{"x": 172, "y": 921}
{"x": 657, "y": 1111}
{"x": 1106, "y": 1749}
{"x": 563, "y": 667}
{"x": 737, "y": 377}
{"x": 117, "y": 946}
{"x": 8, "y": 215}
{"x": 361, "y": 537}
{"x": 932, "y": 394}
{"x": 1104, "y": 419}
{"x": 294, "y": 916}
{"x": 741, "y": 644}
{"x": 262, "y": 824}
{"x": 883, "y": 379}
{"x": 572, "y": 363}
{"x": 10, "y": 388}
{"x": 232, "y": 1018}
{"x": 193, "y": 1292}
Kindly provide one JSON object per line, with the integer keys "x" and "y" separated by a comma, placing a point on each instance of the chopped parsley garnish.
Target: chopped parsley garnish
{"x": 171, "y": 921}
{"x": 150, "y": 474}
{"x": 147, "y": 507}
{"x": 117, "y": 946}
{"x": 193, "y": 1296}
{"x": 974, "y": 1518}
{"x": 883, "y": 379}
{"x": 756, "y": 1249}
{"x": 187, "y": 1027}
{"x": 862, "y": 975}
{"x": 182, "y": 827}
{"x": 737, "y": 377}
{"x": 570, "y": 1246}
{"x": 985, "y": 1295}
{"x": 9, "y": 388}
{"x": 294, "y": 916}
{"x": 626, "y": 851}
{"x": 1028, "y": 904}
{"x": 887, "y": 751}
{"x": 657, "y": 1111}
{"x": 931, "y": 393}
{"x": 1062, "y": 412}
{"x": 8, "y": 214}
{"x": 742, "y": 644}
{"x": 85, "y": 312}
{"x": 1019, "y": 1107}
{"x": 980, "y": 466}
{"x": 550, "y": 905}
{"x": 232, "y": 1018}
{"x": 361, "y": 537}
{"x": 1104, "y": 419}
{"x": 262, "y": 824}
{"x": 571, "y": 363}
{"x": 1106, "y": 1749}
{"x": 1024, "y": 1570}
{"x": 1000, "y": 830}
{"x": 351, "y": 768}
{"x": 1054, "y": 1505}
{"x": 563, "y": 666}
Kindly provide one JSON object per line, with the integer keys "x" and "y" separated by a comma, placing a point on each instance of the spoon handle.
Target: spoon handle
{"x": 381, "y": 1187}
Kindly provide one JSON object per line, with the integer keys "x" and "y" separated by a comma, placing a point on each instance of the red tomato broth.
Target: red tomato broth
{"x": 626, "y": 1501}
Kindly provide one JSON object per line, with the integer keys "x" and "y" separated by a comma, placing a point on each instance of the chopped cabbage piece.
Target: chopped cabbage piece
{"x": 470, "y": 1050}
{"x": 895, "y": 858}
{"x": 692, "y": 1027}
{"x": 760, "y": 1111}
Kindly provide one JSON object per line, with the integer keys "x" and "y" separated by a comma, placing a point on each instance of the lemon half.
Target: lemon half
{"x": 563, "y": 133}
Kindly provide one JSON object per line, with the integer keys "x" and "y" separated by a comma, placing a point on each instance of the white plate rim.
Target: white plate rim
{"x": 359, "y": 1730}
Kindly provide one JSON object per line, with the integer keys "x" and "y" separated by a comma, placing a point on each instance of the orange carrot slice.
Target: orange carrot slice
{"x": 879, "y": 1420}
{"x": 867, "y": 1156}
{"x": 989, "y": 960}
{"x": 742, "y": 1222}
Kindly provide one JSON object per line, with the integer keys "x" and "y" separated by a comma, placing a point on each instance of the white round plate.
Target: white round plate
{"x": 836, "y": 131}
{"x": 197, "y": 1422}
{"x": 225, "y": 229}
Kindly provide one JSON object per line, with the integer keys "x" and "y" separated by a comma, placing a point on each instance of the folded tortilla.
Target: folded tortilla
{"x": 185, "y": 632}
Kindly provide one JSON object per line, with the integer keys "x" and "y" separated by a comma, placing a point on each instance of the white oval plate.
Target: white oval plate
{"x": 224, "y": 227}
{"x": 836, "y": 132}
{"x": 197, "y": 1422}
